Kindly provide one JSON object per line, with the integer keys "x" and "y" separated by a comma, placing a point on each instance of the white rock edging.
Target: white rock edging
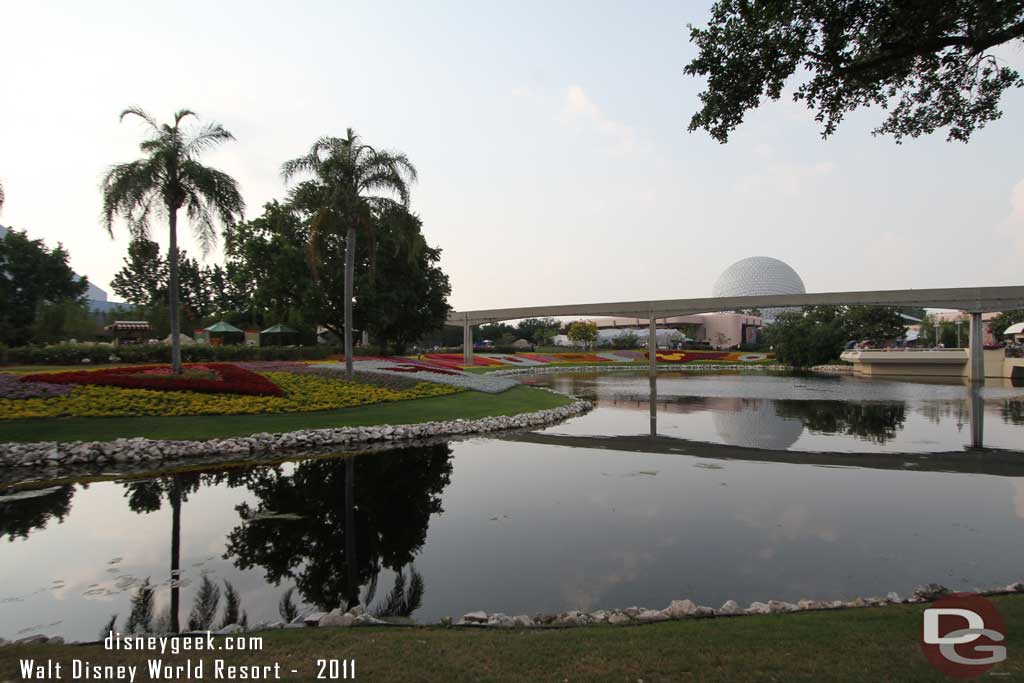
{"x": 136, "y": 450}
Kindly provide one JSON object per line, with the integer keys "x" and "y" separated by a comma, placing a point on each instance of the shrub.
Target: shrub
{"x": 78, "y": 354}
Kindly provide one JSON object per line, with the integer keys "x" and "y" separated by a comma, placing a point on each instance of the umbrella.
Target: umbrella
{"x": 224, "y": 327}
{"x": 1016, "y": 328}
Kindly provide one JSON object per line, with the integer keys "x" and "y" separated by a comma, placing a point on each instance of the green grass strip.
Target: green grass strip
{"x": 468, "y": 405}
{"x": 871, "y": 644}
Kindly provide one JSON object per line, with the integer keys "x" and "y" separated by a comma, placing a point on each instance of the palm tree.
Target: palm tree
{"x": 356, "y": 183}
{"x": 168, "y": 178}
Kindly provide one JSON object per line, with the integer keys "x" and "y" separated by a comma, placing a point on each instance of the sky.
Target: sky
{"x": 550, "y": 138}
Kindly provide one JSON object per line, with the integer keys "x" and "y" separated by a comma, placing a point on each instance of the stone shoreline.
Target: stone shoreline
{"x": 629, "y": 616}
{"x": 54, "y": 456}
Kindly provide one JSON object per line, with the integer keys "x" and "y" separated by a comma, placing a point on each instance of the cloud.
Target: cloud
{"x": 783, "y": 178}
{"x": 581, "y": 112}
{"x": 1012, "y": 227}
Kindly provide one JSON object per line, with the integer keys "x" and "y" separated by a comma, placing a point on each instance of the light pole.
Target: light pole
{"x": 959, "y": 322}
{"x": 938, "y": 326}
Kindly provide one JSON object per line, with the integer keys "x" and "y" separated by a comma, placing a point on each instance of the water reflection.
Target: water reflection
{"x": 792, "y": 411}
{"x": 24, "y": 512}
{"x": 331, "y": 525}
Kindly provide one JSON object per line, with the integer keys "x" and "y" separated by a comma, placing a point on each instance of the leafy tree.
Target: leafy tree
{"x": 626, "y": 340}
{"x": 348, "y": 173}
{"x": 583, "y": 332}
{"x": 998, "y": 324}
{"x": 407, "y": 297}
{"x": 492, "y": 331}
{"x": 817, "y": 334}
{"x": 813, "y": 336}
{"x": 32, "y": 276}
{"x": 167, "y": 179}
{"x": 268, "y": 271}
{"x": 144, "y": 280}
{"x": 880, "y": 323}
{"x": 927, "y": 62}
{"x": 1, "y": 195}
{"x": 541, "y": 331}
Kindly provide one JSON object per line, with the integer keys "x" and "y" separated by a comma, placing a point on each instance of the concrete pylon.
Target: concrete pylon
{"x": 652, "y": 347}
{"x": 652, "y": 369}
{"x": 467, "y": 344}
{"x": 976, "y": 352}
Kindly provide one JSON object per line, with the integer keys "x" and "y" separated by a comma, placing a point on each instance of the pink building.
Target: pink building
{"x": 721, "y": 330}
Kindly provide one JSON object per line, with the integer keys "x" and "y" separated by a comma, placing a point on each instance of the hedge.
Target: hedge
{"x": 77, "y": 354}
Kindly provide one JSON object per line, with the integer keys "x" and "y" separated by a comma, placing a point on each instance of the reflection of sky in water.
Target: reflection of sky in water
{"x": 765, "y": 411}
{"x": 528, "y": 527}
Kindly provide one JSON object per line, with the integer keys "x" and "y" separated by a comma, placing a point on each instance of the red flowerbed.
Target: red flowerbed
{"x": 232, "y": 379}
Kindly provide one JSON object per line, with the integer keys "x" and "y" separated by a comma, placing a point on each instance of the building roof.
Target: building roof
{"x": 279, "y": 329}
{"x": 223, "y": 327}
{"x": 124, "y": 325}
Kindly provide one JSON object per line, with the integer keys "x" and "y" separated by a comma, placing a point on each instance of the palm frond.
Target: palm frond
{"x": 140, "y": 620}
{"x": 209, "y": 193}
{"x": 286, "y": 606}
{"x": 129, "y": 190}
{"x": 141, "y": 113}
{"x": 207, "y": 137}
{"x": 181, "y": 114}
{"x": 204, "y": 607}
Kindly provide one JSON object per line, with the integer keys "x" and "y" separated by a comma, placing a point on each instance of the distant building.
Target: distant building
{"x": 95, "y": 297}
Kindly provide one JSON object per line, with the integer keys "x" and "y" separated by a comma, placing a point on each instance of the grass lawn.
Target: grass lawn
{"x": 467, "y": 405}
{"x": 859, "y": 644}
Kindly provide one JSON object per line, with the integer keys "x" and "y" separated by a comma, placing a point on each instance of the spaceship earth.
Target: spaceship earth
{"x": 758, "y": 275}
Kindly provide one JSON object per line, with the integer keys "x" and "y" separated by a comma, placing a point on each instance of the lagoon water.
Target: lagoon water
{"x": 755, "y": 487}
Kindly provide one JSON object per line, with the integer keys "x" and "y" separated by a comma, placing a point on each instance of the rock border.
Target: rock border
{"x": 56, "y": 455}
{"x": 630, "y": 616}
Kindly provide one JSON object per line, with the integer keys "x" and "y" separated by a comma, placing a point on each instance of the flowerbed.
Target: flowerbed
{"x": 299, "y": 393}
{"x": 447, "y": 376}
{"x": 211, "y": 378}
{"x": 726, "y": 356}
{"x": 12, "y": 387}
{"x": 455, "y": 360}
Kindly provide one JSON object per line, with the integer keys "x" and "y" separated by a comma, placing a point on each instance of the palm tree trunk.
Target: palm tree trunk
{"x": 175, "y": 553}
{"x": 172, "y": 294}
{"x": 350, "y": 266}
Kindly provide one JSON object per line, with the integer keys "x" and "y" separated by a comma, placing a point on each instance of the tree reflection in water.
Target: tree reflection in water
{"x": 24, "y": 512}
{"x": 147, "y": 496}
{"x": 331, "y": 525}
{"x": 875, "y": 422}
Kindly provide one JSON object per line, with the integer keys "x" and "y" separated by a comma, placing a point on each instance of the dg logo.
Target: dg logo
{"x": 961, "y": 635}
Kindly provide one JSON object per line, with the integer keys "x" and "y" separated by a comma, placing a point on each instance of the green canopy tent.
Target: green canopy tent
{"x": 221, "y": 332}
{"x": 278, "y": 335}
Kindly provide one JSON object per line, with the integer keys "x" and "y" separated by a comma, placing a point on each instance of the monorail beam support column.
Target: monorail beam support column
{"x": 652, "y": 369}
{"x": 976, "y": 352}
{"x": 467, "y": 343}
{"x": 652, "y": 347}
